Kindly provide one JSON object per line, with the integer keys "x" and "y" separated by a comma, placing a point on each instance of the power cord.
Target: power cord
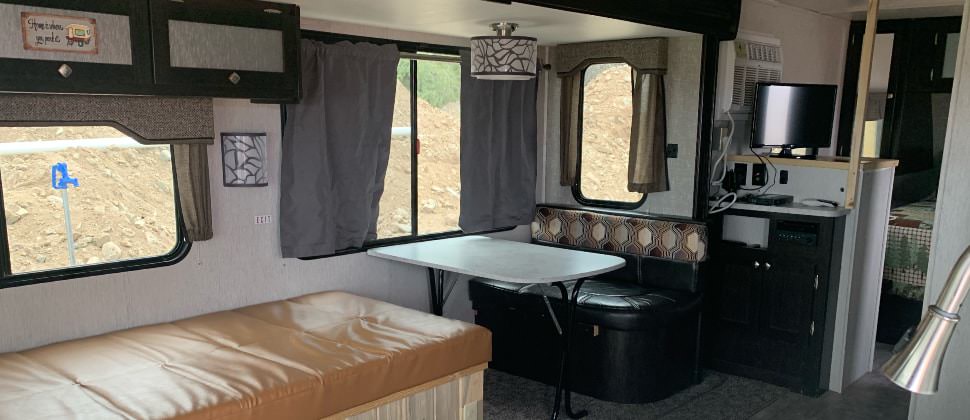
{"x": 722, "y": 158}
{"x": 719, "y": 205}
{"x": 774, "y": 172}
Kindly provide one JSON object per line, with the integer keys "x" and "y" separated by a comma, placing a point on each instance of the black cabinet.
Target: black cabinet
{"x": 38, "y": 56}
{"x": 766, "y": 310}
{"x": 931, "y": 64}
{"x": 215, "y": 48}
{"x": 247, "y": 49}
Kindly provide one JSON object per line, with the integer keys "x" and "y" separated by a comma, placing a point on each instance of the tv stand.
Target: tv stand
{"x": 786, "y": 153}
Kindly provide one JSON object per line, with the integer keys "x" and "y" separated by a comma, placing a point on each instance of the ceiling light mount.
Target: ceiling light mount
{"x": 504, "y": 56}
{"x": 504, "y": 28}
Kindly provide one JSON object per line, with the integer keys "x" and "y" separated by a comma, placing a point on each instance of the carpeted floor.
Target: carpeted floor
{"x": 719, "y": 396}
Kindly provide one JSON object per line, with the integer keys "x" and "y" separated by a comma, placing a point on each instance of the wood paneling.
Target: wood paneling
{"x": 454, "y": 397}
{"x": 862, "y": 96}
{"x": 822, "y": 162}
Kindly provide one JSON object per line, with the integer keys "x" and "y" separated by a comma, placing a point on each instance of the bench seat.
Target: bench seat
{"x": 637, "y": 328}
{"x": 303, "y": 358}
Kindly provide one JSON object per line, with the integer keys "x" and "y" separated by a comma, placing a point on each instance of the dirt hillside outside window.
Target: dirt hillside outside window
{"x": 607, "y": 124}
{"x": 121, "y": 208}
{"x": 438, "y": 181}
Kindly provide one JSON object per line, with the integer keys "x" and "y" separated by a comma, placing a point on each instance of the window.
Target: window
{"x": 607, "y": 120}
{"x": 120, "y": 214}
{"x": 422, "y": 189}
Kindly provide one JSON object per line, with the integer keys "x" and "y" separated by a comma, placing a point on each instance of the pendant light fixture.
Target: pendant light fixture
{"x": 503, "y": 56}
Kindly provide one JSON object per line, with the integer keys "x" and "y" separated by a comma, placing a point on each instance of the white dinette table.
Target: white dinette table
{"x": 510, "y": 261}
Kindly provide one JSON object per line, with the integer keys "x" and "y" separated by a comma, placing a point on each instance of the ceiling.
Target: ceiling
{"x": 888, "y": 9}
{"x": 468, "y": 18}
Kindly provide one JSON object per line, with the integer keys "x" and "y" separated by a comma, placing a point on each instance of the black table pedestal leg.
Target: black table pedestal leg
{"x": 436, "y": 284}
{"x": 562, "y": 386}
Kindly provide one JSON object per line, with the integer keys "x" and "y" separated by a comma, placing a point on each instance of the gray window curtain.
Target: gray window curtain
{"x": 648, "y": 141}
{"x": 185, "y": 123}
{"x": 336, "y": 146}
{"x": 570, "y": 102}
{"x": 498, "y": 152}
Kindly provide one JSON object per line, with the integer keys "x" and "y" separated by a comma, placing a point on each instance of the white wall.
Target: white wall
{"x": 241, "y": 266}
{"x": 949, "y": 241}
{"x": 814, "y": 44}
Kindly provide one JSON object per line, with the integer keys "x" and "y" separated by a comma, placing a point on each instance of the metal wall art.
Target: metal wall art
{"x": 244, "y": 159}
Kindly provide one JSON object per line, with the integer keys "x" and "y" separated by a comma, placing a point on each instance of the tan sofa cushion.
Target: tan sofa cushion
{"x": 302, "y": 358}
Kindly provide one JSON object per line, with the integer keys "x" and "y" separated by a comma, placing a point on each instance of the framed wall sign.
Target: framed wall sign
{"x": 244, "y": 159}
{"x": 46, "y": 32}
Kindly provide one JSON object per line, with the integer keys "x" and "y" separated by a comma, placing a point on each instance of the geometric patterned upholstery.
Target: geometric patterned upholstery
{"x": 679, "y": 241}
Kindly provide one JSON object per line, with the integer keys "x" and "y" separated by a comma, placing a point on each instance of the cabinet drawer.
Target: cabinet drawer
{"x": 75, "y": 46}
{"x": 246, "y": 49}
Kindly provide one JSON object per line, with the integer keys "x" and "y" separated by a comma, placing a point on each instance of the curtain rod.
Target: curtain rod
{"x": 431, "y": 57}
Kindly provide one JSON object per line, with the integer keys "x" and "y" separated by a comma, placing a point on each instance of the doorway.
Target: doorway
{"x": 914, "y": 66}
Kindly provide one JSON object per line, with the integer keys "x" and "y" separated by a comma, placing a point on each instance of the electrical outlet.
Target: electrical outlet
{"x": 264, "y": 220}
{"x": 759, "y": 175}
{"x": 783, "y": 177}
{"x": 672, "y": 151}
{"x": 741, "y": 174}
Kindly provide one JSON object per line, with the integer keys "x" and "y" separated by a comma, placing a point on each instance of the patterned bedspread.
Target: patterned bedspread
{"x": 908, "y": 249}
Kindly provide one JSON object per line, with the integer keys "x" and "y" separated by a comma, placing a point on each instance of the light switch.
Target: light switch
{"x": 264, "y": 220}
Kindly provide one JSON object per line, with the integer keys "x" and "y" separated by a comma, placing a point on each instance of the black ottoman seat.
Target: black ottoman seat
{"x": 609, "y": 304}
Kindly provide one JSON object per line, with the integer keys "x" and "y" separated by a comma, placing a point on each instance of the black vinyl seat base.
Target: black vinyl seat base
{"x": 632, "y": 343}
{"x": 609, "y": 304}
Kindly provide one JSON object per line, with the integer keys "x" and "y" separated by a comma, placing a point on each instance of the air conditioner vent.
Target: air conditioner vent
{"x": 746, "y": 80}
{"x": 764, "y": 52}
{"x": 751, "y": 59}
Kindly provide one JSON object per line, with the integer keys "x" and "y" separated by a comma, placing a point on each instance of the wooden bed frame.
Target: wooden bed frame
{"x": 458, "y": 396}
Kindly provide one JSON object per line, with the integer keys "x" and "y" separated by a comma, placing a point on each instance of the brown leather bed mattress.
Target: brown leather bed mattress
{"x": 307, "y": 357}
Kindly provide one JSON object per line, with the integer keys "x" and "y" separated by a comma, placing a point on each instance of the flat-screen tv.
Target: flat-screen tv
{"x": 791, "y": 116}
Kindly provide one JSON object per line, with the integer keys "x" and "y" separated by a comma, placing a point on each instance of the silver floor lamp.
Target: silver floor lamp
{"x": 917, "y": 367}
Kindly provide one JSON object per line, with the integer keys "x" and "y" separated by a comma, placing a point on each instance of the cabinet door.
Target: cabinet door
{"x": 786, "y": 316}
{"x": 72, "y": 46}
{"x": 788, "y": 295}
{"x": 244, "y": 49}
{"x": 932, "y": 62}
{"x": 946, "y": 39}
{"x": 733, "y": 306}
{"x": 740, "y": 280}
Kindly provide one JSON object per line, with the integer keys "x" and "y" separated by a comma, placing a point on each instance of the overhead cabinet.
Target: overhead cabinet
{"x": 226, "y": 48}
{"x": 75, "y": 46}
{"x": 216, "y": 48}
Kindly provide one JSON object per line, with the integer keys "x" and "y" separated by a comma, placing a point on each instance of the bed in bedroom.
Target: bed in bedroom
{"x": 904, "y": 274}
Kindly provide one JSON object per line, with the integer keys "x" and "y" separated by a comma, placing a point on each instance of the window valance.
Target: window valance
{"x": 147, "y": 119}
{"x": 647, "y": 55}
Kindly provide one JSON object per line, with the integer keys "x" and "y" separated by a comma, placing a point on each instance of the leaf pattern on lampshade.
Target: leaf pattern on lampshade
{"x": 503, "y": 55}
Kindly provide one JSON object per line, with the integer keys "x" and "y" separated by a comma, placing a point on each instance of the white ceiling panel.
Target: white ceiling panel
{"x": 468, "y": 18}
